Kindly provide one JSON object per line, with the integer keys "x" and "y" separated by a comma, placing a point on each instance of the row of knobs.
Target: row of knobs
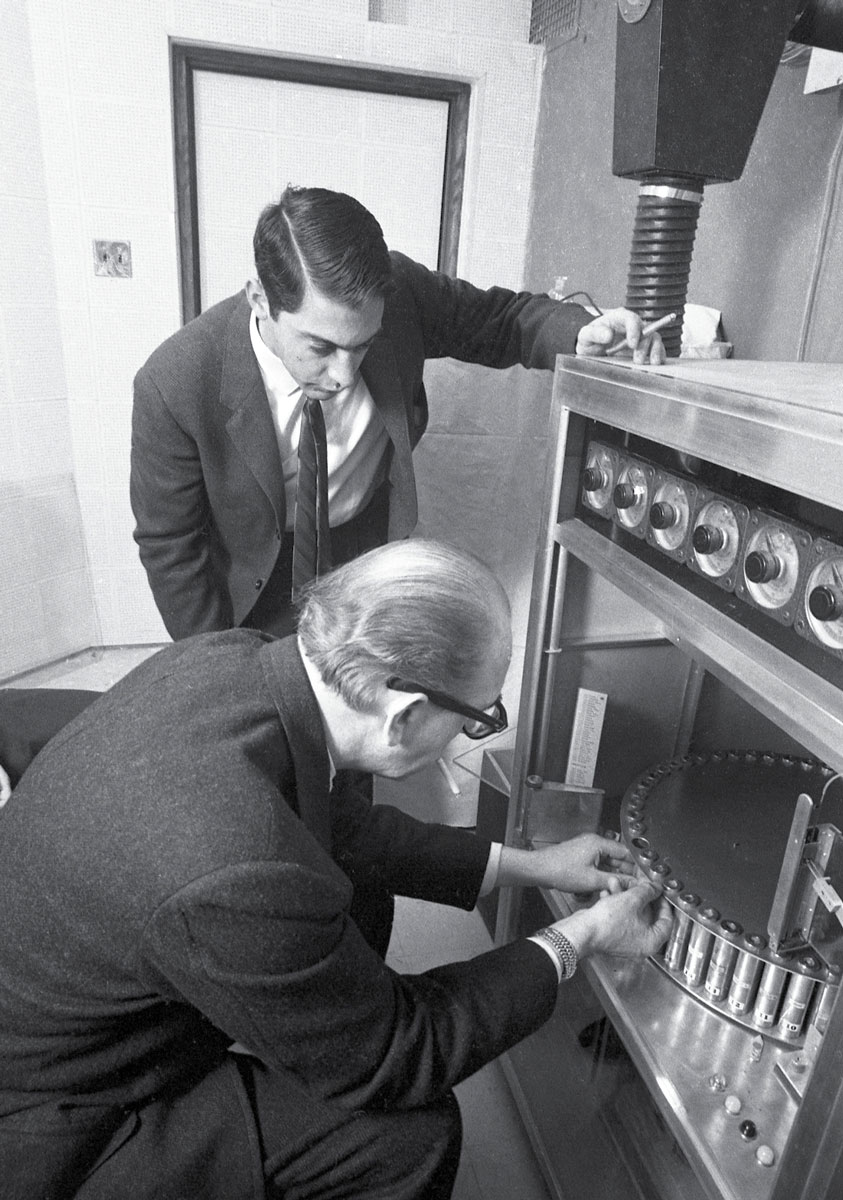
{"x": 824, "y": 602}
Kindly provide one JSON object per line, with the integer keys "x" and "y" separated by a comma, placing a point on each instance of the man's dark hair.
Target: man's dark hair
{"x": 322, "y": 237}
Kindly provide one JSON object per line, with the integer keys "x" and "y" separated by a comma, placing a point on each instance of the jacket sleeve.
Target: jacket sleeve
{"x": 172, "y": 517}
{"x": 493, "y": 327}
{"x": 267, "y": 953}
{"x": 379, "y": 844}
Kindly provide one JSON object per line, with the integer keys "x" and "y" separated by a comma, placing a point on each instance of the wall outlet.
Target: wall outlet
{"x": 113, "y": 259}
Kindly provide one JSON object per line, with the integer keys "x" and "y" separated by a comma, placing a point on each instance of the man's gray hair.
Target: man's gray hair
{"x": 419, "y": 609}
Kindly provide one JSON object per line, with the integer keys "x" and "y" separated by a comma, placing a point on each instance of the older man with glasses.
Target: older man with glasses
{"x": 187, "y": 1006}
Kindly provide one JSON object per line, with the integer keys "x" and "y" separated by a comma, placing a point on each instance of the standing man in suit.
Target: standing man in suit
{"x": 330, "y": 314}
{"x": 188, "y": 1009}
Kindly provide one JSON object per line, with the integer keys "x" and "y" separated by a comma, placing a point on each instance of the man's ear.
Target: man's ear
{"x": 402, "y": 711}
{"x": 257, "y": 298}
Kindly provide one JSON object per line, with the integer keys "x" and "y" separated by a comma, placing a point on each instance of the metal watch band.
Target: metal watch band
{"x": 562, "y": 947}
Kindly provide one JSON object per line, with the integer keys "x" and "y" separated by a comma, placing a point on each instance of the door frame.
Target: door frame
{"x": 188, "y": 57}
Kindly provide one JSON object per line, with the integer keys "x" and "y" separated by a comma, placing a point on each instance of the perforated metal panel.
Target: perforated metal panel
{"x": 554, "y": 20}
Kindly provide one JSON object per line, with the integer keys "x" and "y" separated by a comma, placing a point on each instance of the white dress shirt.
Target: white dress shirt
{"x": 357, "y": 436}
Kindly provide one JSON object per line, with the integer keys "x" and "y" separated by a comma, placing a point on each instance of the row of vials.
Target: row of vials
{"x": 725, "y": 966}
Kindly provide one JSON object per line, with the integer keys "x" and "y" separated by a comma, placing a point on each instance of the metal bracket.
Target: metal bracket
{"x": 802, "y": 880}
{"x": 829, "y": 896}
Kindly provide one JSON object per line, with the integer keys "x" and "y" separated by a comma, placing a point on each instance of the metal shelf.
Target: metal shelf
{"x": 777, "y": 422}
{"x": 677, "y": 1045}
{"x": 804, "y": 704}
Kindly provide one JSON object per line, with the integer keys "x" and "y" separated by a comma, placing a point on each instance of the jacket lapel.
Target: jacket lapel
{"x": 383, "y": 379}
{"x": 250, "y": 424}
{"x": 299, "y": 713}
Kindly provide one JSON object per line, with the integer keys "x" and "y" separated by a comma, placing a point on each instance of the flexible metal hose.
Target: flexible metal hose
{"x": 662, "y": 245}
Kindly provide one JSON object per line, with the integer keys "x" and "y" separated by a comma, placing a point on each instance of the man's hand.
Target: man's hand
{"x": 611, "y": 327}
{"x": 631, "y": 923}
{"x": 586, "y": 863}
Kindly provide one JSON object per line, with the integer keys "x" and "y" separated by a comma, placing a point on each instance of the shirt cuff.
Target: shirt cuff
{"x": 551, "y": 954}
{"x": 490, "y": 877}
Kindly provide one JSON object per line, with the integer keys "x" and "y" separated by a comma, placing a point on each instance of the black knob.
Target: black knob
{"x": 624, "y": 495}
{"x": 761, "y": 567}
{"x": 662, "y": 515}
{"x": 825, "y": 603}
{"x": 593, "y": 479}
{"x": 708, "y": 539}
{"x": 748, "y": 1130}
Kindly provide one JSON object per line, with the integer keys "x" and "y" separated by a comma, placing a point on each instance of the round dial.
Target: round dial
{"x": 598, "y": 477}
{"x": 670, "y": 514}
{"x": 631, "y": 496}
{"x": 824, "y": 601}
{"x": 771, "y": 566}
{"x": 716, "y": 538}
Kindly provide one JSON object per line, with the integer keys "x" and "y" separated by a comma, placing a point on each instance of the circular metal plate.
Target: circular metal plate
{"x": 721, "y": 822}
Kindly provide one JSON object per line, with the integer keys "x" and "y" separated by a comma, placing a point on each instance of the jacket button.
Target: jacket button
{"x": 258, "y": 584}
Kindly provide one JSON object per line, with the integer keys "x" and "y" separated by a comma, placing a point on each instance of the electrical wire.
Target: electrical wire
{"x": 827, "y": 786}
{"x": 573, "y": 295}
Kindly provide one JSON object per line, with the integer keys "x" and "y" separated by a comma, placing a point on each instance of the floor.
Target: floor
{"x": 95, "y": 670}
{"x": 497, "y": 1161}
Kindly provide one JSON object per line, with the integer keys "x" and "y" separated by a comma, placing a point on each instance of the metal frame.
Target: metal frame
{"x": 779, "y": 423}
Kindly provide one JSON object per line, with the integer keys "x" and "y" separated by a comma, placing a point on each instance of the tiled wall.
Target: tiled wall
{"x": 46, "y": 602}
{"x": 386, "y": 150}
{"x": 101, "y": 71}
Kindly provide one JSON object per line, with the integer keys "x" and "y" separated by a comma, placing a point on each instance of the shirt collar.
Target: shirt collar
{"x": 313, "y": 675}
{"x": 275, "y": 374}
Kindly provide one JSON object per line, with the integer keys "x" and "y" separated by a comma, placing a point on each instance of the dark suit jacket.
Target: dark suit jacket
{"x": 206, "y": 483}
{"x": 170, "y": 885}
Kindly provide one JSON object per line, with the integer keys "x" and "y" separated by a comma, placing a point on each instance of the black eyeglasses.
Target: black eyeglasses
{"x": 479, "y": 723}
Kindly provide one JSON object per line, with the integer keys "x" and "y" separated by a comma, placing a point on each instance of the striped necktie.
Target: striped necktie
{"x": 311, "y": 533}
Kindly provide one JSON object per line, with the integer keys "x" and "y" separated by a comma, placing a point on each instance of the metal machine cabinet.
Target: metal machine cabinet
{"x": 690, "y": 568}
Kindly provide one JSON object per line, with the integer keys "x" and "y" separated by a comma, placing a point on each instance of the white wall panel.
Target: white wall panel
{"x": 387, "y": 151}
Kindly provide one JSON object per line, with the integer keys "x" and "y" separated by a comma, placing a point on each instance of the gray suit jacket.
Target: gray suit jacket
{"x": 170, "y": 885}
{"x": 206, "y": 484}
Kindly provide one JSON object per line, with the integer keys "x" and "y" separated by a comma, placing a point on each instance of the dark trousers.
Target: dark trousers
{"x": 243, "y": 1132}
{"x": 317, "y": 1151}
